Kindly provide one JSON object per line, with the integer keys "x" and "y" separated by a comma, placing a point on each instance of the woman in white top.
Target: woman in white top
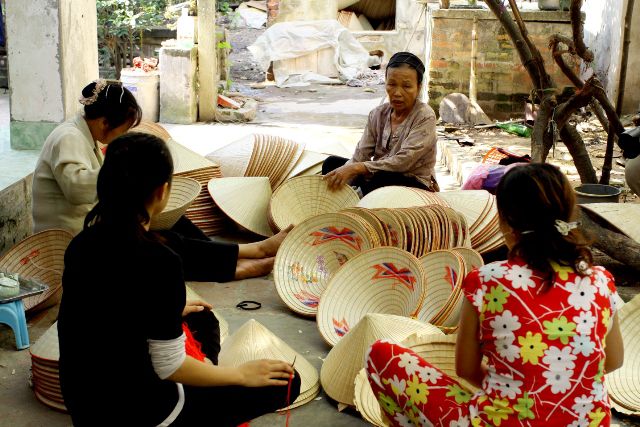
{"x": 64, "y": 181}
{"x": 64, "y": 187}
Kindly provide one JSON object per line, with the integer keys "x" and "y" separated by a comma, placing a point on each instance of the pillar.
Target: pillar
{"x": 178, "y": 96}
{"x": 207, "y": 62}
{"x": 53, "y": 54}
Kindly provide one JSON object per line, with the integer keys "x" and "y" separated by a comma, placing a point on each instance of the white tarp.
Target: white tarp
{"x": 289, "y": 40}
{"x": 254, "y": 18}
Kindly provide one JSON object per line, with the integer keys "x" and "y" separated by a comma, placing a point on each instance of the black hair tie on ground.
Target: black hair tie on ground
{"x": 249, "y": 305}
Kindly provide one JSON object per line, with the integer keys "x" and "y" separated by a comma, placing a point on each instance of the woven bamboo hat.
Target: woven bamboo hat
{"x": 436, "y": 349}
{"x": 185, "y": 160}
{"x": 253, "y": 341}
{"x": 624, "y": 384}
{"x": 152, "y": 128}
{"x": 443, "y": 272}
{"x": 234, "y": 158}
{"x": 307, "y": 161}
{"x": 311, "y": 253}
{"x": 305, "y": 196}
{"x": 395, "y": 196}
{"x": 381, "y": 280}
{"x": 345, "y": 360}
{"x": 621, "y": 216}
{"x": 245, "y": 200}
{"x": 183, "y": 192}
{"x": 39, "y": 257}
{"x": 45, "y": 356}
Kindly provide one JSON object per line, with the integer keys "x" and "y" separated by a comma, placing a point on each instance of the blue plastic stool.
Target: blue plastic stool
{"x": 12, "y": 314}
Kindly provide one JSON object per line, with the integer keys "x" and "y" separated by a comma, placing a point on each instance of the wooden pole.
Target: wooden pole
{"x": 473, "y": 91}
{"x": 207, "y": 61}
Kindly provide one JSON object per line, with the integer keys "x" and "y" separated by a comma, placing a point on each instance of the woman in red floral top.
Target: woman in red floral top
{"x": 545, "y": 320}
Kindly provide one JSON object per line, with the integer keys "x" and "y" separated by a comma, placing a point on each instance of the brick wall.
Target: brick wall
{"x": 502, "y": 81}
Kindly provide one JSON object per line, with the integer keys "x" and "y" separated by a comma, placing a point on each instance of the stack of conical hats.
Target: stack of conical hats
{"x": 302, "y": 197}
{"x": 400, "y": 197}
{"x": 419, "y": 229}
{"x": 203, "y": 212}
{"x": 481, "y": 211}
{"x": 259, "y": 155}
{"x": 253, "y": 341}
{"x": 45, "y": 369}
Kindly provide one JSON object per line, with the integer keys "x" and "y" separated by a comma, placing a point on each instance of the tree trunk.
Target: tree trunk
{"x": 616, "y": 245}
{"x": 579, "y": 153}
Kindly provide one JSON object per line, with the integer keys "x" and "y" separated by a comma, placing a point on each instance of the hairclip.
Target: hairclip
{"x": 100, "y": 85}
{"x": 565, "y": 227}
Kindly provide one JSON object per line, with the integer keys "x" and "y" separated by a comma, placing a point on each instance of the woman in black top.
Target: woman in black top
{"x": 122, "y": 347}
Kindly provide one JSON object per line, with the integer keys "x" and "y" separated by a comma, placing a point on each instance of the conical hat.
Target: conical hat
{"x": 311, "y": 253}
{"x": 307, "y": 160}
{"x": 183, "y": 192}
{"x": 345, "y": 360}
{"x": 366, "y": 402}
{"x": 151, "y": 128}
{"x": 185, "y": 160}
{"x": 622, "y": 216}
{"x": 245, "y": 200}
{"x": 443, "y": 273}
{"x": 624, "y": 383}
{"x": 253, "y": 341}
{"x": 393, "y": 196}
{"x": 46, "y": 348}
{"x": 234, "y": 158}
{"x": 40, "y": 257}
{"x": 302, "y": 197}
{"x": 383, "y": 280}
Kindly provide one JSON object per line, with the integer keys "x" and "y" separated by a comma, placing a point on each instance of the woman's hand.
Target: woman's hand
{"x": 195, "y": 306}
{"x": 262, "y": 373}
{"x": 344, "y": 175}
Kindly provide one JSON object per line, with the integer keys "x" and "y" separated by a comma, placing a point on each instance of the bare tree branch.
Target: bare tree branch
{"x": 577, "y": 26}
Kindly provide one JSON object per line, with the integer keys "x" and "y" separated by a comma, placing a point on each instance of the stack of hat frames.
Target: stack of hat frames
{"x": 186, "y": 163}
{"x": 254, "y": 342}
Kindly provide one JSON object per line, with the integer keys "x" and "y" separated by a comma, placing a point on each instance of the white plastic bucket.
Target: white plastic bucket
{"x": 145, "y": 87}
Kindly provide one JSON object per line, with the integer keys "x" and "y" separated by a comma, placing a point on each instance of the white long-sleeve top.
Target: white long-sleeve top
{"x": 65, "y": 178}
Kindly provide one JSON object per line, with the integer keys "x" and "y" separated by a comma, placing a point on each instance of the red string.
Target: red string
{"x": 192, "y": 346}
{"x": 289, "y": 400}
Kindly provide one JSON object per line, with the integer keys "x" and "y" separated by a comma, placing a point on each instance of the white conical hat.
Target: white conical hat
{"x": 624, "y": 384}
{"x": 245, "y": 200}
{"x": 623, "y": 216}
{"x": 346, "y": 359}
{"x": 381, "y": 280}
{"x": 302, "y": 197}
{"x": 234, "y": 158}
{"x": 183, "y": 192}
{"x": 253, "y": 341}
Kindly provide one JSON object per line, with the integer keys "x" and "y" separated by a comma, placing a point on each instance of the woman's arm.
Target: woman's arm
{"x": 73, "y": 171}
{"x": 419, "y": 144}
{"x": 468, "y": 356}
{"x": 259, "y": 373}
{"x": 614, "y": 350}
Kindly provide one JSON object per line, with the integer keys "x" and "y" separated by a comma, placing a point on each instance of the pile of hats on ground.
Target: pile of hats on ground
{"x": 477, "y": 206}
{"x": 199, "y": 207}
{"x": 265, "y": 155}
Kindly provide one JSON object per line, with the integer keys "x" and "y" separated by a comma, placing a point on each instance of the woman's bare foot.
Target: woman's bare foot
{"x": 247, "y": 268}
{"x": 265, "y": 248}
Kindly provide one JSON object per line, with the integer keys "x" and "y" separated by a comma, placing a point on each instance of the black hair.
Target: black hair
{"x": 401, "y": 59}
{"x": 135, "y": 165}
{"x": 115, "y": 103}
{"x": 530, "y": 199}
